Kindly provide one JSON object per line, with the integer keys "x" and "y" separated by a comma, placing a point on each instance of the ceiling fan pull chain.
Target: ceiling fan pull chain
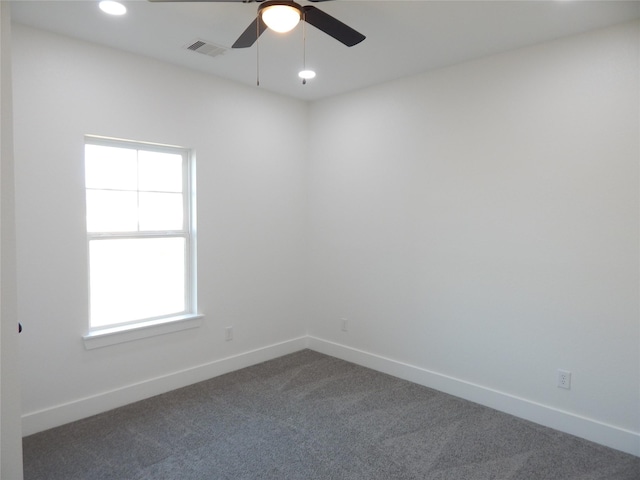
{"x": 304, "y": 45}
{"x": 258, "y": 51}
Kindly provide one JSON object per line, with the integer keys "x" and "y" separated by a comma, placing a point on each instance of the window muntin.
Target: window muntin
{"x": 139, "y": 232}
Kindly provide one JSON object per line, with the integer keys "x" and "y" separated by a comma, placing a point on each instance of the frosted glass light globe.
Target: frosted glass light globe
{"x": 281, "y": 18}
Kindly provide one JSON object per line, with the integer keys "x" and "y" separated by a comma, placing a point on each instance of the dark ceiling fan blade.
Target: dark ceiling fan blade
{"x": 332, "y": 26}
{"x": 187, "y": 1}
{"x": 237, "y": 1}
{"x": 250, "y": 35}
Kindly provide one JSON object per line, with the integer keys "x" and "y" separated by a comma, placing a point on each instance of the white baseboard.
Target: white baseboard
{"x": 589, "y": 429}
{"x": 593, "y": 430}
{"x": 85, "y": 407}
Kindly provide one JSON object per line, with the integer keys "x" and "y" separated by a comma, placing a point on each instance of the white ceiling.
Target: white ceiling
{"x": 404, "y": 37}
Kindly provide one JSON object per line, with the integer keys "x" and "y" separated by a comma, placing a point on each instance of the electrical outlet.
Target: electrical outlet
{"x": 345, "y": 324}
{"x": 564, "y": 379}
{"x": 228, "y": 334}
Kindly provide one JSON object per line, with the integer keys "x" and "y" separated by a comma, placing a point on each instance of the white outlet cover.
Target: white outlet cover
{"x": 564, "y": 379}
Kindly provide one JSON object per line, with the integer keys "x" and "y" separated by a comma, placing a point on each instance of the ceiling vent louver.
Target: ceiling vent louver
{"x": 205, "y": 48}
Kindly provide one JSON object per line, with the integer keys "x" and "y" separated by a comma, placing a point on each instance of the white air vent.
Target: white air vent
{"x": 206, "y": 48}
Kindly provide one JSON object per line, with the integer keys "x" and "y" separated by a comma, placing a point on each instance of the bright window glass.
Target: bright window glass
{"x": 112, "y": 211}
{"x": 160, "y": 211}
{"x": 139, "y": 231}
{"x": 160, "y": 172}
{"x": 110, "y": 168}
{"x": 152, "y": 287}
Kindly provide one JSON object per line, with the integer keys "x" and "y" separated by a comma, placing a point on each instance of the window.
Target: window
{"x": 140, "y": 233}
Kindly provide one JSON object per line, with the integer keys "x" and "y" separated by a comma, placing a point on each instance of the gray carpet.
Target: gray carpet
{"x": 309, "y": 416}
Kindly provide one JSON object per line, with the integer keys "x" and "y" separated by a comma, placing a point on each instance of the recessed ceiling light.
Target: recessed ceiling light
{"x": 307, "y": 74}
{"x": 112, "y": 8}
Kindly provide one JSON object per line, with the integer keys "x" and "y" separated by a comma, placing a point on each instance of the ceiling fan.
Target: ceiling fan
{"x": 295, "y": 12}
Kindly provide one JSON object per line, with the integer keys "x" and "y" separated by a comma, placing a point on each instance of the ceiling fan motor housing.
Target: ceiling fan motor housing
{"x": 272, "y": 3}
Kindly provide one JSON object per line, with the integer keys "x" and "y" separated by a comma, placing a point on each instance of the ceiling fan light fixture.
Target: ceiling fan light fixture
{"x": 279, "y": 16}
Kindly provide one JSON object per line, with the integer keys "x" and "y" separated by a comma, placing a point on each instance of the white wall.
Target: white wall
{"x": 251, "y": 172}
{"x": 477, "y": 224}
{"x": 10, "y": 424}
{"x": 481, "y": 224}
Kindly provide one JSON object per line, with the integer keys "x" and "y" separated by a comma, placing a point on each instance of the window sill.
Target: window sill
{"x": 126, "y": 333}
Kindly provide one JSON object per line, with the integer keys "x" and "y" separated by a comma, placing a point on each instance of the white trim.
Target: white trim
{"x": 587, "y": 428}
{"x": 135, "y": 331}
{"x": 593, "y": 430}
{"x": 187, "y": 232}
{"x": 38, "y": 421}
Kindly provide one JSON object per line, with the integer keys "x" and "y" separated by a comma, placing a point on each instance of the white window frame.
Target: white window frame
{"x": 189, "y": 318}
